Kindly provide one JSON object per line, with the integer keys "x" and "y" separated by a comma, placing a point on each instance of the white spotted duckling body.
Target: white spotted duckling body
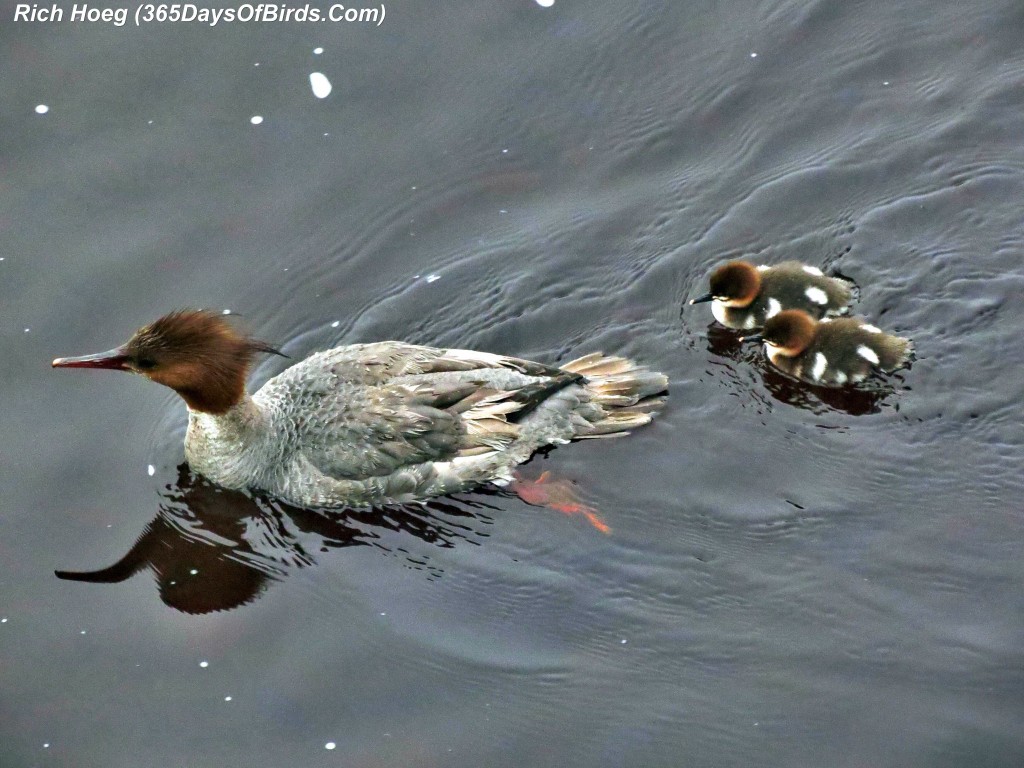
{"x": 831, "y": 352}
{"x": 745, "y": 296}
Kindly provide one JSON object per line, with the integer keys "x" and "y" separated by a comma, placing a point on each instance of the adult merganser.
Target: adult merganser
{"x": 830, "y": 352}
{"x": 372, "y": 424}
{"x": 745, "y": 296}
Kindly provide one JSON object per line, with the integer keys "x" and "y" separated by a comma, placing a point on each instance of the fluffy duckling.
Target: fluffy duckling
{"x": 745, "y": 296}
{"x": 830, "y": 352}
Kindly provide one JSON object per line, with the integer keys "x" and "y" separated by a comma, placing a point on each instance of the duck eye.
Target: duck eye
{"x": 145, "y": 363}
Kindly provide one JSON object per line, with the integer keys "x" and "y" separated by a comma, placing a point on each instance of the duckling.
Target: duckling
{"x": 830, "y": 352}
{"x": 745, "y": 296}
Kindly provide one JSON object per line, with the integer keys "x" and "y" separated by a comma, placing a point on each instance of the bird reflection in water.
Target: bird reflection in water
{"x": 212, "y": 549}
{"x": 857, "y": 400}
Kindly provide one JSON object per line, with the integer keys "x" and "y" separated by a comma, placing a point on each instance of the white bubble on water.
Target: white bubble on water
{"x": 320, "y": 84}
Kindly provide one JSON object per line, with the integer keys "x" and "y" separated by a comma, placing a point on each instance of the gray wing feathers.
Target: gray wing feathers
{"x": 393, "y": 421}
{"x": 386, "y": 360}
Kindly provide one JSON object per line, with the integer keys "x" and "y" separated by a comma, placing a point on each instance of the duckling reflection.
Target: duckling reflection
{"x": 868, "y": 398}
{"x": 725, "y": 342}
{"x": 213, "y": 549}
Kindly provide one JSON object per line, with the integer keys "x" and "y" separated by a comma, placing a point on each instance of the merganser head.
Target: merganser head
{"x": 735, "y": 284}
{"x": 788, "y": 334}
{"x": 197, "y": 353}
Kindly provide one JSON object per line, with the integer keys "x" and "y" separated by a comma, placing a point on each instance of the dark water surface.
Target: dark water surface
{"x": 792, "y": 578}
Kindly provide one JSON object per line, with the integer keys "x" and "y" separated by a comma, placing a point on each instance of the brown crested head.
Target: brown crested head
{"x": 736, "y": 283}
{"x": 791, "y": 331}
{"x": 197, "y": 353}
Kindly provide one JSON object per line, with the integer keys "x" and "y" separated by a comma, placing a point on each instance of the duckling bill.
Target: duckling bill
{"x": 744, "y": 296}
{"x": 830, "y": 352}
{"x": 374, "y": 424}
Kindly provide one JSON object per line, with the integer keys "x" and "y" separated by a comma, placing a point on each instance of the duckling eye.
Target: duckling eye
{"x": 145, "y": 363}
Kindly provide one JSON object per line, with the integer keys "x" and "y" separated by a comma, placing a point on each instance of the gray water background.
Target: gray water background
{"x": 791, "y": 579}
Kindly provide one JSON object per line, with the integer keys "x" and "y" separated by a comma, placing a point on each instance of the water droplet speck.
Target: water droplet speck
{"x": 320, "y": 84}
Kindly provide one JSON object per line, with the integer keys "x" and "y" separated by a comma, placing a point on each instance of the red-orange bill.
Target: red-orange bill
{"x": 114, "y": 359}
